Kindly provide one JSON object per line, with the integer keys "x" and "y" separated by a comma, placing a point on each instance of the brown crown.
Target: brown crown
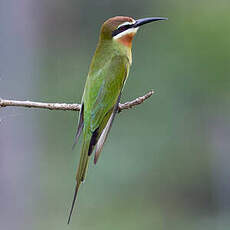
{"x": 111, "y": 24}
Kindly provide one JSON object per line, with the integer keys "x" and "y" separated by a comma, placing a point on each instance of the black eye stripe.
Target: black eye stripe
{"x": 121, "y": 29}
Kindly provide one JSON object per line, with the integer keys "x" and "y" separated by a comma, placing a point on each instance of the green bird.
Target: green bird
{"x": 108, "y": 72}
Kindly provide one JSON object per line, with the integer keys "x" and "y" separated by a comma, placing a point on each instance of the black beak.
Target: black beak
{"x": 143, "y": 21}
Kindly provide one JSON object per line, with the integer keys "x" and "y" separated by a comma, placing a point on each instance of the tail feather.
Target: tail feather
{"x": 74, "y": 199}
{"x": 103, "y": 137}
{"x": 81, "y": 172}
{"x": 82, "y": 168}
{"x": 80, "y": 126}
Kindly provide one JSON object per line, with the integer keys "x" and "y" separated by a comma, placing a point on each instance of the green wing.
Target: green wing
{"x": 102, "y": 93}
{"x": 103, "y": 90}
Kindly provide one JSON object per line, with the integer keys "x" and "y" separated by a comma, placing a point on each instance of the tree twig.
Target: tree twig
{"x": 137, "y": 101}
{"x": 72, "y": 107}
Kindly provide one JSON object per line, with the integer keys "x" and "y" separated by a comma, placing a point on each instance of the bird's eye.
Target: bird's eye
{"x": 121, "y": 29}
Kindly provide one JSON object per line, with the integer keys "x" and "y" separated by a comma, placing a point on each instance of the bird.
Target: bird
{"x": 106, "y": 78}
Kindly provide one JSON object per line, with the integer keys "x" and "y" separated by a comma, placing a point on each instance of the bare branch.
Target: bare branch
{"x": 64, "y": 106}
{"x": 40, "y": 105}
{"x": 137, "y": 101}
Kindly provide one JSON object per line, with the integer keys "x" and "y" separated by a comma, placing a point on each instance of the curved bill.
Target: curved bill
{"x": 143, "y": 21}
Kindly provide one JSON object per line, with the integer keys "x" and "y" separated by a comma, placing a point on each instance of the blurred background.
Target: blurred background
{"x": 166, "y": 162}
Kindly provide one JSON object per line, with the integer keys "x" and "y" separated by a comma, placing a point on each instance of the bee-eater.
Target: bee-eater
{"x": 108, "y": 72}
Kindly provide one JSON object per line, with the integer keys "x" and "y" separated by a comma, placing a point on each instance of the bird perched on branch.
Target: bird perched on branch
{"x": 108, "y": 72}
